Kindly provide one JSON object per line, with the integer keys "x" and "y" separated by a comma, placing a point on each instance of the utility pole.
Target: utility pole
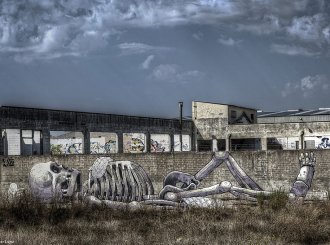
{"x": 180, "y": 106}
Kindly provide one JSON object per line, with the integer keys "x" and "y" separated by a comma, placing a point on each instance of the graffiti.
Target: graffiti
{"x": 325, "y": 144}
{"x": 137, "y": 145}
{"x": 185, "y": 146}
{"x": 106, "y": 148}
{"x": 134, "y": 143}
{"x": 317, "y": 142}
{"x": 137, "y": 190}
{"x": 185, "y": 143}
{"x": 60, "y": 149}
{"x": 160, "y": 143}
{"x": 8, "y": 162}
{"x": 156, "y": 147}
{"x": 74, "y": 148}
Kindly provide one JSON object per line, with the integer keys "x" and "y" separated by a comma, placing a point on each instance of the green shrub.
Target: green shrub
{"x": 278, "y": 200}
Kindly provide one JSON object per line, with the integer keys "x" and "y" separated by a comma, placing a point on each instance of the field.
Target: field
{"x": 26, "y": 221}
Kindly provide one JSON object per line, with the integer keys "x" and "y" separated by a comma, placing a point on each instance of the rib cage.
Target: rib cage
{"x": 123, "y": 181}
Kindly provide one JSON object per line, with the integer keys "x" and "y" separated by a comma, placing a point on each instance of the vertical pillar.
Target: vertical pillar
{"x": 148, "y": 141}
{"x": 215, "y": 145}
{"x": 1, "y": 143}
{"x": 87, "y": 141}
{"x": 193, "y": 142}
{"x": 263, "y": 144}
{"x": 172, "y": 142}
{"x": 120, "y": 142}
{"x": 301, "y": 139}
{"x": 46, "y": 141}
{"x": 228, "y": 143}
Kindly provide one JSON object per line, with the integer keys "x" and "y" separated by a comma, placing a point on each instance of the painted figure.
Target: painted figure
{"x": 125, "y": 184}
{"x": 324, "y": 143}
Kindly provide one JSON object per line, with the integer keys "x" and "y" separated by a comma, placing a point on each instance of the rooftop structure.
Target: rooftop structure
{"x": 298, "y": 115}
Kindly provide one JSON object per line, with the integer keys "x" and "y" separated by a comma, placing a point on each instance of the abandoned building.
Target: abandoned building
{"x": 213, "y": 127}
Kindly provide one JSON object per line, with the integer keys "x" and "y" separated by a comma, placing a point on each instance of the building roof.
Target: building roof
{"x": 243, "y": 107}
{"x": 298, "y": 112}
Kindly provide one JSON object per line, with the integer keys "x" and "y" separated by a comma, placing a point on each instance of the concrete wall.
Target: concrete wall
{"x": 56, "y": 120}
{"x": 208, "y": 129}
{"x": 202, "y": 110}
{"x": 271, "y": 169}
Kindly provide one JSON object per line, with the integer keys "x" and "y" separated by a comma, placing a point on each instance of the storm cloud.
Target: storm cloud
{"x": 48, "y": 29}
{"x": 121, "y": 56}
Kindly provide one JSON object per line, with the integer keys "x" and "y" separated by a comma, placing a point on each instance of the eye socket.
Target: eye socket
{"x": 55, "y": 168}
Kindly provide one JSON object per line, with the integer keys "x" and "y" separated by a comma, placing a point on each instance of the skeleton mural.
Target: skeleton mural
{"x": 125, "y": 184}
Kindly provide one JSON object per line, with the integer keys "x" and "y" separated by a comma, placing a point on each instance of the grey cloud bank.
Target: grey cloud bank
{"x": 213, "y": 50}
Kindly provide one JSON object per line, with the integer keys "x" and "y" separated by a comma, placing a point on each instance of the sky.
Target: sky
{"x": 141, "y": 57}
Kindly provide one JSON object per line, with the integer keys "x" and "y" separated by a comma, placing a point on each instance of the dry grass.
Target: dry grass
{"x": 26, "y": 221}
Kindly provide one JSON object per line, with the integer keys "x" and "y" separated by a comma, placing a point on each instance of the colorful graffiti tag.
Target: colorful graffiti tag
{"x": 160, "y": 143}
{"x": 66, "y": 146}
{"x": 103, "y": 148}
{"x": 134, "y": 142}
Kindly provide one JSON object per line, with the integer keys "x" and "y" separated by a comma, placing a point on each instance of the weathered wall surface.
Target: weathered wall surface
{"x": 203, "y": 110}
{"x": 208, "y": 128}
{"x": 56, "y": 120}
{"x": 271, "y": 169}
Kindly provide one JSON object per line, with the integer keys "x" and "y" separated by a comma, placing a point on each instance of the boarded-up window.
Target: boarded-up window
{"x": 13, "y": 141}
{"x": 285, "y": 143}
{"x": 27, "y": 142}
{"x": 36, "y": 150}
{"x": 186, "y": 142}
{"x": 160, "y": 143}
{"x": 103, "y": 143}
{"x": 309, "y": 144}
{"x": 66, "y": 142}
{"x": 134, "y": 142}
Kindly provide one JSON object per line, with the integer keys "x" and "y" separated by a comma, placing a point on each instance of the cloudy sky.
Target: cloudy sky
{"x": 141, "y": 57}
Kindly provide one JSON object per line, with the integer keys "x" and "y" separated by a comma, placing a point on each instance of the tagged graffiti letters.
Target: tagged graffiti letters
{"x": 8, "y": 162}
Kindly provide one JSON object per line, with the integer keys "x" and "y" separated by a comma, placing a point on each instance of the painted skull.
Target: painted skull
{"x": 50, "y": 180}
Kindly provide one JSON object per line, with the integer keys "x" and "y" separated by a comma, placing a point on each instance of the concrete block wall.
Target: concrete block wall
{"x": 271, "y": 169}
{"x": 56, "y": 120}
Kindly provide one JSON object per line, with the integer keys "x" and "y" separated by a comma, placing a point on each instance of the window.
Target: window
{"x": 103, "y": 143}
{"x": 221, "y": 144}
{"x": 134, "y": 142}
{"x": 186, "y": 142}
{"x": 204, "y": 145}
{"x": 160, "y": 143}
{"x": 66, "y": 142}
{"x": 233, "y": 114}
{"x": 245, "y": 144}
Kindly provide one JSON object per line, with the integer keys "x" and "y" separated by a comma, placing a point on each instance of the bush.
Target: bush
{"x": 278, "y": 200}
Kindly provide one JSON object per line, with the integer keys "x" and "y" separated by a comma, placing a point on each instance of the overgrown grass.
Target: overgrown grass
{"x": 276, "y": 201}
{"x": 26, "y": 221}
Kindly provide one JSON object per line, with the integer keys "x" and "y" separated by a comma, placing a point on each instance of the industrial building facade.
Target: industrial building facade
{"x": 30, "y": 131}
{"x": 237, "y": 128}
{"x": 214, "y": 127}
